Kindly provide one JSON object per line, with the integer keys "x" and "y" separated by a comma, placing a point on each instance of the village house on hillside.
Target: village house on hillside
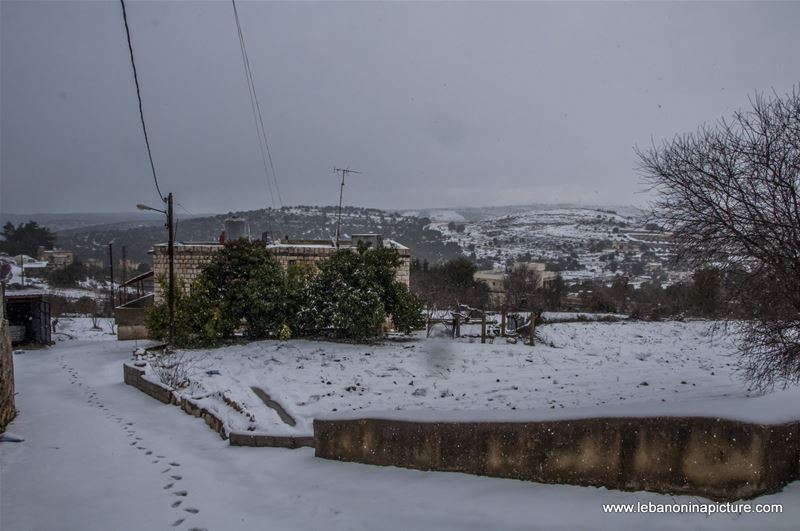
{"x": 57, "y": 258}
{"x": 495, "y": 279}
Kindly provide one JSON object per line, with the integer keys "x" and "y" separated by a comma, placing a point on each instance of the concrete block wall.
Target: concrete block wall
{"x": 720, "y": 459}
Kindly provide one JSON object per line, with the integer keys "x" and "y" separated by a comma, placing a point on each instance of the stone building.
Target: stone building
{"x": 495, "y": 279}
{"x": 190, "y": 257}
{"x": 57, "y": 258}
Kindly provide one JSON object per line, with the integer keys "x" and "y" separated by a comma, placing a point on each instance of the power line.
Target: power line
{"x": 266, "y": 153}
{"x": 139, "y": 97}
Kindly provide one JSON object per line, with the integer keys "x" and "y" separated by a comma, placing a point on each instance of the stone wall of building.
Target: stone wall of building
{"x": 189, "y": 261}
{"x": 190, "y": 258}
{"x": 7, "y": 408}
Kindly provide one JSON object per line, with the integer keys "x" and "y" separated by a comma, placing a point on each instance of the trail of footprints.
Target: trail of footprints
{"x": 178, "y": 495}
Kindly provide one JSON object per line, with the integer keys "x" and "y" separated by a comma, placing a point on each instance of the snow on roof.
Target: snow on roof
{"x": 24, "y": 293}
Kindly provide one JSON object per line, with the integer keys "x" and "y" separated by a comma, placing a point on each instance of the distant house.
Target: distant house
{"x": 495, "y": 279}
{"x": 545, "y": 277}
{"x": 57, "y": 258}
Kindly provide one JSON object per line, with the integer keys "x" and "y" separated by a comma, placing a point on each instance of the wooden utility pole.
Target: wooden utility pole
{"x": 533, "y": 329}
{"x": 111, "y": 274}
{"x": 171, "y": 282}
{"x": 503, "y": 323}
{"x": 483, "y": 327}
{"x": 343, "y": 171}
{"x": 123, "y": 294}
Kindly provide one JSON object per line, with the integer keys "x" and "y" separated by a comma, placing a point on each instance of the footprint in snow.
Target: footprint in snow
{"x": 176, "y": 503}
{"x": 192, "y": 510}
{"x": 181, "y": 493}
{"x": 178, "y": 522}
{"x": 169, "y": 486}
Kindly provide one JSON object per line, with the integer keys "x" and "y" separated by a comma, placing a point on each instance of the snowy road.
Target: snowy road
{"x": 99, "y": 455}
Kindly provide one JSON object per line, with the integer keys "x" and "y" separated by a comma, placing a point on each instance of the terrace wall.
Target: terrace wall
{"x": 720, "y": 459}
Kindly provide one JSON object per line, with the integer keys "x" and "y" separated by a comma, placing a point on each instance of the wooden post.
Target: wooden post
{"x": 457, "y": 326}
{"x": 483, "y": 327}
{"x": 533, "y": 328}
{"x": 503, "y": 323}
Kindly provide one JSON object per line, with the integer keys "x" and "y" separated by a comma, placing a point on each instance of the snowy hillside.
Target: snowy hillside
{"x": 583, "y": 242}
{"x": 298, "y": 222}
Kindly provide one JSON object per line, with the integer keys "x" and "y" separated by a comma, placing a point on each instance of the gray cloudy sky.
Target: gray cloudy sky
{"x": 439, "y": 104}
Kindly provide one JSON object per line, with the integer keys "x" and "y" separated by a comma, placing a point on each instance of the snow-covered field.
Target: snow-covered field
{"x": 100, "y": 455}
{"x": 591, "y": 364}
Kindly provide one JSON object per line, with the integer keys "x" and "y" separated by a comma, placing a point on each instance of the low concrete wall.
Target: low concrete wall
{"x": 273, "y": 441}
{"x": 720, "y": 459}
{"x": 134, "y": 376}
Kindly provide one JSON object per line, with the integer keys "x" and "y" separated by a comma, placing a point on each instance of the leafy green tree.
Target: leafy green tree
{"x": 199, "y": 320}
{"x": 247, "y": 283}
{"x": 26, "y": 238}
{"x": 353, "y": 293}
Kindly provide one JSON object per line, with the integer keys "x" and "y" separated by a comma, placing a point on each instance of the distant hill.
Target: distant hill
{"x": 580, "y": 241}
{"x": 59, "y": 222}
{"x": 301, "y": 222}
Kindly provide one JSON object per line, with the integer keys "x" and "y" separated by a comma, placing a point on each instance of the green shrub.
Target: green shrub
{"x": 348, "y": 295}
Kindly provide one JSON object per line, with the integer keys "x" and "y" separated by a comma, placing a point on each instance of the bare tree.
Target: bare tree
{"x": 522, "y": 289}
{"x": 729, "y": 193}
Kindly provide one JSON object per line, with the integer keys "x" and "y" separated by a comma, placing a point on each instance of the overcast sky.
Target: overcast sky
{"x": 439, "y": 104}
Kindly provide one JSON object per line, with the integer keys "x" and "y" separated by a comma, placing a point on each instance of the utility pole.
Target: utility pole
{"x": 343, "y": 171}
{"x": 171, "y": 283}
{"x": 111, "y": 273}
{"x": 169, "y": 212}
{"x": 123, "y": 293}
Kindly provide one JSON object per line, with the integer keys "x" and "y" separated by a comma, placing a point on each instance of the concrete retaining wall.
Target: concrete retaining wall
{"x": 134, "y": 376}
{"x": 7, "y": 408}
{"x": 720, "y": 459}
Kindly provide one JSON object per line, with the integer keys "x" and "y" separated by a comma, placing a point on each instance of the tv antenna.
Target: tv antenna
{"x": 343, "y": 172}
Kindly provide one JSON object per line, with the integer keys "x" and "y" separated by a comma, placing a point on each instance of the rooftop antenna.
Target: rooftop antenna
{"x": 343, "y": 171}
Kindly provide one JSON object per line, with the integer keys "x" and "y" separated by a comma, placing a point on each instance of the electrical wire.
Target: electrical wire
{"x": 139, "y": 97}
{"x": 266, "y": 152}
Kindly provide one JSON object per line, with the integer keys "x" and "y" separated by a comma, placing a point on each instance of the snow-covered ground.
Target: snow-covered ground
{"x": 591, "y": 364}
{"x": 100, "y": 455}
